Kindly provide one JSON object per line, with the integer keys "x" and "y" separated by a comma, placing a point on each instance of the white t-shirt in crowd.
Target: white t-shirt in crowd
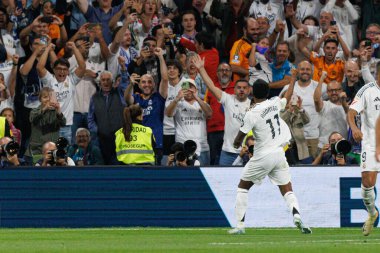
{"x": 169, "y": 128}
{"x": 270, "y": 131}
{"x": 86, "y": 87}
{"x": 367, "y": 103}
{"x": 333, "y": 119}
{"x": 65, "y": 93}
{"x": 307, "y": 95}
{"x": 234, "y": 112}
{"x": 190, "y": 124}
{"x": 265, "y": 73}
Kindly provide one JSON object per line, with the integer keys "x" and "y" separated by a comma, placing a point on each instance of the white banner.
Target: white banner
{"x": 322, "y": 192}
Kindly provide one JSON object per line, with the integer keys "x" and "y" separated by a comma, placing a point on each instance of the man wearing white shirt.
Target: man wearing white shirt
{"x": 304, "y": 88}
{"x": 62, "y": 82}
{"x": 235, "y": 107}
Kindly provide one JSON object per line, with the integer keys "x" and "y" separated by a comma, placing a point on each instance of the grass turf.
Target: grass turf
{"x": 187, "y": 240}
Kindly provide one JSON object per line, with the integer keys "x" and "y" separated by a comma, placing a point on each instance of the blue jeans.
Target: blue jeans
{"x": 79, "y": 120}
{"x": 215, "y": 141}
{"x": 204, "y": 158}
{"x": 65, "y": 132}
{"x": 227, "y": 158}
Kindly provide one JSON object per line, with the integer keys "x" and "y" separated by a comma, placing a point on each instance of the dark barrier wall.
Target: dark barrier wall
{"x": 105, "y": 197}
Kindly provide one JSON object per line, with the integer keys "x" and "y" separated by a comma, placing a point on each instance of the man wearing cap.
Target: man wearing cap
{"x": 190, "y": 114}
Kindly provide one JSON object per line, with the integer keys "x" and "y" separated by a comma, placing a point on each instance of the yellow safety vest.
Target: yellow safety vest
{"x": 139, "y": 149}
{"x": 2, "y": 126}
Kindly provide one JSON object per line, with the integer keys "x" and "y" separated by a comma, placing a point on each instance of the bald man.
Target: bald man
{"x": 353, "y": 81}
{"x": 48, "y": 160}
{"x": 304, "y": 88}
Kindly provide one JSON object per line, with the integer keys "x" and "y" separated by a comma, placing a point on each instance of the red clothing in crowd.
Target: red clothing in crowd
{"x": 211, "y": 63}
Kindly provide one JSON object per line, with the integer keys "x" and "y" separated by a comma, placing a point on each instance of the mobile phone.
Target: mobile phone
{"x": 53, "y": 97}
{"x": 44, "y": 40}
{"x": 368, "y": 43}
{"x": 47, "y": 19}
{"x": 332, "y": 22}
{"x": 185, "y": 86}
{"x": 92, "y": 26}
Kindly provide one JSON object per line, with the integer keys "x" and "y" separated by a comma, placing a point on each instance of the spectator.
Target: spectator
{"x": 326, "y": 157}
{"x": 134, "y": 142}
{"x": 232, "y": 15}
{"x": 84, "y": 152}
{"x": 307, "y": 8}
{"x": 179, "y": 157}
{"x": 280, "y": 69}
{"x": 346, "y": 16}
{"x": 48, "y": 159}
{"x": 63, "y": 82}
{"x": 105, "y": 115}
{"x": 304, "y": 88}
{"x": 9, "y": 114}
{"x": 148, "y": 62}
{"x": 100, "y": 15}
{"x": 9, "y": 159}
{"x": 241, "y": 48}
{"x": 85, "y": 88}
{"x": 333, "y": 112}
{"x": 190, "y": 114}
{"x": 153, "y": 103}
{"x": 235, "y": 106}
{"x": 215, "y": 125}
{"x": 258, "y": 62}
{"x": 371, "y": 9}
{"x": 353, "y": 81}
{"x": 174, "y": 86}
{"x": 246, "y": 152}
{"x": 46, "y": 120}
{"x": 328, "y": 63}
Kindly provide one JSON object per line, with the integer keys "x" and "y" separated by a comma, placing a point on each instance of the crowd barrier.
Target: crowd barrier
{"x": 172, "y": 197}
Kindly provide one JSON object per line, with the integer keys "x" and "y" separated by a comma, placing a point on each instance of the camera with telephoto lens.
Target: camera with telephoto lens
{"x": 11, "y": 148}
{"x": 341, "y": 148}
{"x": 188, "y": 152}
{"x": 60, "y": 152}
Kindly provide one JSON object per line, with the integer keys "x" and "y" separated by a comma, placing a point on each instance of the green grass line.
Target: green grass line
{"x": 323, "y": 240}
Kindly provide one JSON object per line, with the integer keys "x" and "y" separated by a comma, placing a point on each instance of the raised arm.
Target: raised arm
{"x": 318, "y": 102}
{"x": 13, "y": 75}
{"x": 302, "y": 43}
{"x": 116, "y": 18}
{"x": 41, "y": 70}
{"x": 204, "y": 106}
{"x": 163, "y": 89}
{"x": 289, "y": 92}
{"x": 200, "y": 65}
{"x": 252, "y": 56}
{"x": 129, "y": 90}
{"x": 356, "y": 132}
{"x": 28, "y": 65}
{"x": 81, "y": 69}
{"x": 170, "y": 110}
{"x": 62, "y": 31}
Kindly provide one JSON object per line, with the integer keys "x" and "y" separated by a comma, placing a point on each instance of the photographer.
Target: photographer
{"x": 183, "y": 155}
{"x": 246, "y": 152}
{"x": 331, "y": 153}
{"x": 52, "y": 156}
{"x": 9, "y": 150}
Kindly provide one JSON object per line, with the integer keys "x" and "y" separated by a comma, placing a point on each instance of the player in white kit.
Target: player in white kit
{"x": 367, "y": 103}
{"x": 271, "y": 135}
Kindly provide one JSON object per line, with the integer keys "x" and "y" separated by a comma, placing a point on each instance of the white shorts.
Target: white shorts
{"x": 368, "y": 160}
{"x": 274, "y": 165}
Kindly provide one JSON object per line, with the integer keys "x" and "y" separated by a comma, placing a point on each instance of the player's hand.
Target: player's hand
{"x": 357, "y": 135}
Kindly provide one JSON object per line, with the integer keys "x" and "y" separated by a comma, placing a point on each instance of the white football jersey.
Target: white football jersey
{"x": 270, "y": 131}
{"x": 234, "y": 111}
{"x": 367, "y": 103}
{"x": 169, "y": 128}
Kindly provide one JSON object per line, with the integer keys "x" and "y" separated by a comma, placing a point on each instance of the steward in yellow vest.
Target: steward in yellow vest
{"x": 134, "y": 142}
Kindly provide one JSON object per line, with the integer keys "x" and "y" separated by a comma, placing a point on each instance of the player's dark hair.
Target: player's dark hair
{"x": 260, "y": 89}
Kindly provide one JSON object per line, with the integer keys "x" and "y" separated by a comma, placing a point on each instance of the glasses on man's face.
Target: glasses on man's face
{"x": 224, "y": 70}
{"x": 372, "y": 33}
{"x": 334, "y": 90}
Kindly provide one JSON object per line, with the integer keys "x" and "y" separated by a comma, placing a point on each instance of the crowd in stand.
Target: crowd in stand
{"x": 78, "y": 69}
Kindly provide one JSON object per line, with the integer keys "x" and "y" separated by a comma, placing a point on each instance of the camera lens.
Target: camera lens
{"x": 180, "y": 156}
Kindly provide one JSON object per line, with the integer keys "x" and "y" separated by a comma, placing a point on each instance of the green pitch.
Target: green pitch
{"x": 187, "y": 240}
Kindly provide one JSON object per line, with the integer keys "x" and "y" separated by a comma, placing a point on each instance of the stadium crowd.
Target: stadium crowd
{"x": 77, "y": 68}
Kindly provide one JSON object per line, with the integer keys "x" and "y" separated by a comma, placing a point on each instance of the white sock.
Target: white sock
{"x": 241, "y": 206}
{"x": 368, "y": 195}
{"x": 292, "y": 202}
